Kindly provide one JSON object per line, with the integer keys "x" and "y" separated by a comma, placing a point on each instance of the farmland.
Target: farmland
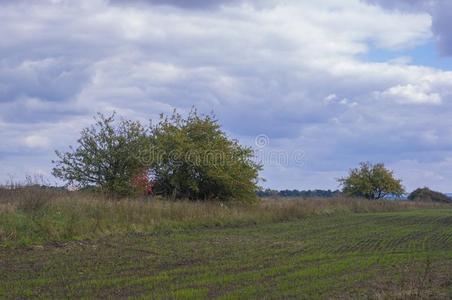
{"x": 329, "y": 253}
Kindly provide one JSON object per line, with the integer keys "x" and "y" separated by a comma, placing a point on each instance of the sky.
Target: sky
{"x": 314, "y": 86}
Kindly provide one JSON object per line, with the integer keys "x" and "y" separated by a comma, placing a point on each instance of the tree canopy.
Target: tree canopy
{"x": 189, "y": 158}
{"x": 371, "y": 182}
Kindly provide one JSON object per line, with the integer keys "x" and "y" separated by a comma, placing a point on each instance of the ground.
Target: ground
{"x": 396, "y": 255}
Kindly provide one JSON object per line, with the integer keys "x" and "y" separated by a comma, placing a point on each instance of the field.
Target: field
{"x": 299, "y": 249}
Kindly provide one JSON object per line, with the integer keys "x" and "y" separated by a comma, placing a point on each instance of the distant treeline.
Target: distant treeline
{"x": 297, "y": 193}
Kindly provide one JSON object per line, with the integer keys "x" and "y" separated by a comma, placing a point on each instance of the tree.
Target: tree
{"x": 371, "y": 182}
{"x": 194, "y": 159}
{"x": 108, "y": 156}
{"x": 427, "y": 195}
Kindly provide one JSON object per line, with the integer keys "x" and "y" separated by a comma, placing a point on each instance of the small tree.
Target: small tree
{"x": 371, "y": 182}
{"x": 107, "y": 156}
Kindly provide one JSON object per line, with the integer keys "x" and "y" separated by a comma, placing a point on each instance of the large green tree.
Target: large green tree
{"x": 108, "y": 156}
{"x": 371, "y": 182}
{"x": 194, "y": 159}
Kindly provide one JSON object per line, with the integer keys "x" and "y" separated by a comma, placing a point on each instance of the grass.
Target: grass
{"x": 30, "y": 216}
{"x": 395, "y": 255}
{"x": 311, "y": 249}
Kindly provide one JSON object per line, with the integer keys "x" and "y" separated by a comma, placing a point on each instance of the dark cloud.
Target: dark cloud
{"x": 410, "y": 5}
{"x": 186, "y": 4}
{"x": 441, "y": 26}
{"x": 197, "y": 4}
{"x": 49, "y": 79}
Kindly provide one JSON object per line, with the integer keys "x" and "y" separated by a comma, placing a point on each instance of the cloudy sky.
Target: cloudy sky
{"x": 315, "y": 86}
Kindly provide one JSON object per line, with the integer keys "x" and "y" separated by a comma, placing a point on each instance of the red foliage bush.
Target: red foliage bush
{"x": 142, "y": 182}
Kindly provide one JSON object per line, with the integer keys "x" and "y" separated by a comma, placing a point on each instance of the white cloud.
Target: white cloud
{"x": 412, "y": 94}
{"x": 36, "y": 141}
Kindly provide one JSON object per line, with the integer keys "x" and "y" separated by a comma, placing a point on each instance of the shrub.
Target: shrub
{"x": 427, "y": 195}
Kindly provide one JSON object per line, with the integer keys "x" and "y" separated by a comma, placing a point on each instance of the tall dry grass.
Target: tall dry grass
{"x": 33, "y": 215}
